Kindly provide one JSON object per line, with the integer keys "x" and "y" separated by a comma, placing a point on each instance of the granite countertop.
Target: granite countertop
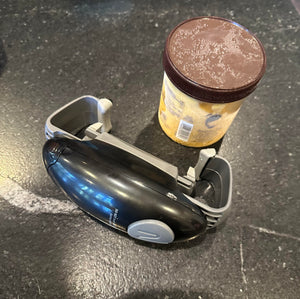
{"x": 52, "y": 52}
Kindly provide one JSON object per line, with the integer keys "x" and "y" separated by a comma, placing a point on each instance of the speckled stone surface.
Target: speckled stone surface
{"x": 54, "y": 51}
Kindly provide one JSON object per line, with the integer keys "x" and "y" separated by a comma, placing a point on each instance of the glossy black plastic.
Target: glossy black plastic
{"x": 119, "y": 188}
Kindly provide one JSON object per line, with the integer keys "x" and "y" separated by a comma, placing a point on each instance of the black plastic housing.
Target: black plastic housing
{"x": 119, "y": 188}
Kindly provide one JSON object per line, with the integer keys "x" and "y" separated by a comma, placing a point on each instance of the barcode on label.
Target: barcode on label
{"x": 184, "y": 130}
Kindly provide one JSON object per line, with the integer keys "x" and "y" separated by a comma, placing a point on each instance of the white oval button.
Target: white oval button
{"x": 151, "y": 230}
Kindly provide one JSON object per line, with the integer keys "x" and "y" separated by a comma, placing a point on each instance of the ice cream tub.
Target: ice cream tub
{"x": 211, "y": 65}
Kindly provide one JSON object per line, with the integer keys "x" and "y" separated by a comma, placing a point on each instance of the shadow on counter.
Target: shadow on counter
{"x": 3, "y": 57}
{"x": 173, "y": 293}
{"x": 154, "y": 141}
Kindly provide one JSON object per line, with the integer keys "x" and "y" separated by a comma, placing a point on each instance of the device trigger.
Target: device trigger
{"x": 104, "y": 107}
{"x": 194, "y": 172}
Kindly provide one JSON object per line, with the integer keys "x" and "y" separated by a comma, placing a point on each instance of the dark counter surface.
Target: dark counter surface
{"x": 52, "y": 52}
